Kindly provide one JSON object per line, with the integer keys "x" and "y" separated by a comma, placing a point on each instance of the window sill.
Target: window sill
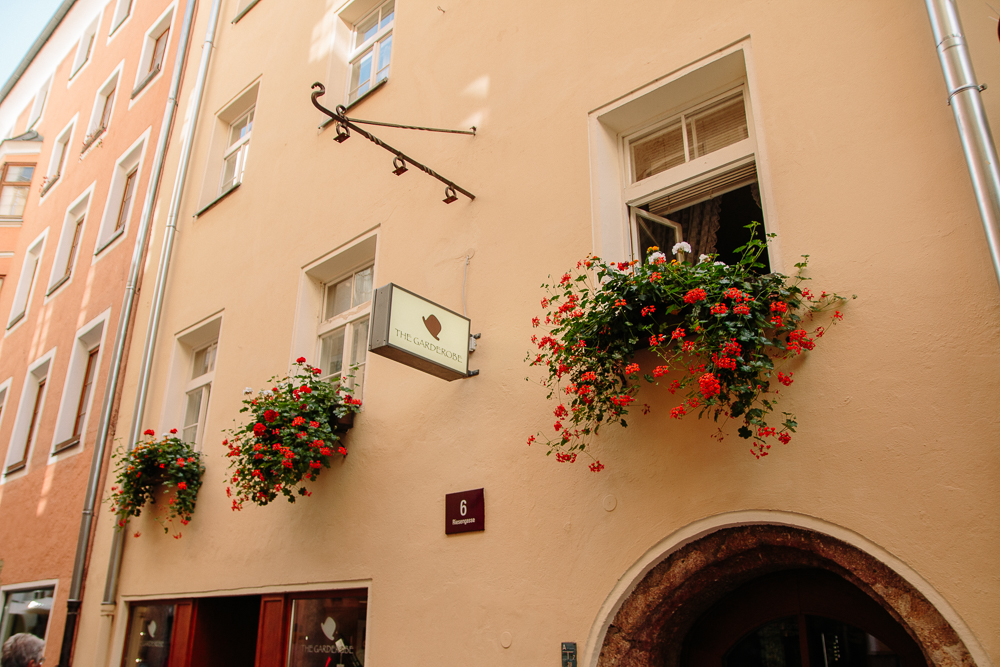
{"x": 111, "y": 240}
{"x": 371, "y": 91}
{"x": 48, "y": 185}
{"x": 245, "y": 10}
{"x": 66, "y": 444}
{"x": 11, "y": 222}
{"x": 93, "y": 140}
{"x": 15, "y": 467}
{"x": 59, "y": 283}
{"x": 145, "y": 82}
{"x": 211, "y": 204}
{"x": 16, "y": 319}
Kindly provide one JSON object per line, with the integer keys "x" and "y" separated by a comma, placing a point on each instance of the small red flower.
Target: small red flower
{"x": 270, "y": 415}
{"x": 182, "y": 485}
{"x": 596, "y": 466}
{"x": 300, "y": 360}
{"x": 695, "y": 295}
{"x": 149, "y": 431}
{"x": 173, "y": 430}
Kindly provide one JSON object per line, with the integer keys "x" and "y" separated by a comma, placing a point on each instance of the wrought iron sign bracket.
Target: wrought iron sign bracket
{"x": 345, "y": 125}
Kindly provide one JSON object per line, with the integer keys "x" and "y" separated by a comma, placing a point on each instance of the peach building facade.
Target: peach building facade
{"x": 869, "y": 539}
{"x": 81, "y": 121}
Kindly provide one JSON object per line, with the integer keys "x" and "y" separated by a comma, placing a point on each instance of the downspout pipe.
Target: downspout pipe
{"x": 121, "y": 339}
{"x": 970, "y": 116}
{"x": 156, "y": 309}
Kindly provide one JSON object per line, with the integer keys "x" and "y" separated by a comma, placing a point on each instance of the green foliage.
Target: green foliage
{"x": 289, "y": 437}
{"x": 718, "y": 331}
{"x": 167, "y": 462}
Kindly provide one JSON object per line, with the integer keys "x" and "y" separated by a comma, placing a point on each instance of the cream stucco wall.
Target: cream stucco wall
{"x": 862, "y": 169}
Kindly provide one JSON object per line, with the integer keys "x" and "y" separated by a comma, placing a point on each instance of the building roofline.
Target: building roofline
{"x": 50, "y": 28}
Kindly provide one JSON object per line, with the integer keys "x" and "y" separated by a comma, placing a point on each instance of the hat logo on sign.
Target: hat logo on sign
{"x": 152, "y": 629}
{"x": 433, "y": 326}
{"x": 329, "y": 627}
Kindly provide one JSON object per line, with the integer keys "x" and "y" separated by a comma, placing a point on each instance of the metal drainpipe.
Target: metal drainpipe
{"x": 973, "y": 128}
{"x": 121, "y": 338}
{"x": 115, "y": 562}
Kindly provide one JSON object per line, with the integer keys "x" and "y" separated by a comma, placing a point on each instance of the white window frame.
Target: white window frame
{"x": 143, "y": 76}
{"x": 614, "y": 196}
{"x": 62, "y": 263}
{"x": 123, "y": 12}
{"x": 38, "y": 106}
{"x": 26, "y": 281}
{"x": 110, "y": 86}
{"x": 186, "y": 346}
{"x": 348, "y": 321}
{"x": 28, "y": 586}
{"x": 241, "y": 104}
{"x": 371, "y": 45}
{"x": 37, "y": 372}
{"x": 60, "y": 154}
{"x": 88, "y": 337}
{"x": 131, "y": 159}
{"x": 240, "y": 149}
{"x": 310, "y": 326}
{"x": 85, "y": 48}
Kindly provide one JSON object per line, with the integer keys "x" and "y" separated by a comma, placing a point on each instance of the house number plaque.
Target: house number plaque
{"x": 464, "y": 512}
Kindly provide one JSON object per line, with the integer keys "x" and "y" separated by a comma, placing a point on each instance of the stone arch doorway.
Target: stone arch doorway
{"x": 652, "y": 626}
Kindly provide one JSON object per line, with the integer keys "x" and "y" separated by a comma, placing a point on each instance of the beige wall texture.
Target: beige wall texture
{"x": 41, "y": 504}
{"x": 860, "y": 166}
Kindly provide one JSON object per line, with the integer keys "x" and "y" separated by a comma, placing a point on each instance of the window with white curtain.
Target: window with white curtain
{"x": 372, "y": 49}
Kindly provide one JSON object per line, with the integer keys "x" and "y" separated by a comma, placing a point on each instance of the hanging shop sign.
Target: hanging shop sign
{"x": 464, "y": 512}
{"x": 419, "y": 333}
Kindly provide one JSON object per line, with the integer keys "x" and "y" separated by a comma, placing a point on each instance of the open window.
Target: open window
{"x": 38, "y": 106}
{"x": 123, "y": 9}
{"x": 681, "y": 157}
{"x": 371, "y": 50}
{"x": 104, "y": 105}
{"x": 122, "y": 196}
{"x": 57, "y": 161}
{"x": 230, "y": 147}
{"x": 154, "y": 52}
{"x": 86, "y": 47}
{"x": 335, "y": 306}
{"x": 78, "y": 392}
{"x": 69, "y": 243}
{"x": 15, "y": 185}
{"x": 192, "y": 375}
{"x": 26, "y": 281}
{"x": 29, "y": 416}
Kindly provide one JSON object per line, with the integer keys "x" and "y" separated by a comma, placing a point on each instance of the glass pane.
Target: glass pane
{"x": 721, "y": 125}
{"x": 26, "y": 611}
{"x": 338, "y": 298}
{"x": 326, "y": 628}
{"x": 19, "y": 174}
{"x": 240, "y": 128}
{"x": 229, "y": 176}
{"x": 12, "y": 200}
{"x": 774, "y": 644}
{"x": 384, "y": 49}
{"x": 388, "y": 13}
{"x": 149, "y": 635}
{"x": 331, "y": 353}
{"x": 191, "y": 414}
{"x": 361, "y": 76}
{"x": 363, "y": 286}
{"x": 652, "y": 233}
{"x": 204, "y": 360}
{"x": 658, "y": 152}
{"x": 359, "y": 341}
{"x": 366, "y": 29}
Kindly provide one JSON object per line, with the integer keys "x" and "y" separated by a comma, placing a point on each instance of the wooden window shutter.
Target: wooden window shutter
{"x": 180, "y": 642}
{"x": 271, "y": 632}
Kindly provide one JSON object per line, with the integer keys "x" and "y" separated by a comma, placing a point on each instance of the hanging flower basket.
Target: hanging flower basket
{"x": 720, "y": 333}
{"x": 293, "y": 432}
{"x": 167, "y": 463}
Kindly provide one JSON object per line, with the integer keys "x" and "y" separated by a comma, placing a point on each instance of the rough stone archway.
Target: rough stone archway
{"x": 650, "y": 626}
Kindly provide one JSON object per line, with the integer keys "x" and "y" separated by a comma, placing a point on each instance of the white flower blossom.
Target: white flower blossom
{"x": 267, "y": 393}
{"x": 720, "y": 263}
{"x": 683, "y": 246}
{"x": 704, "y": 258}
{"x": 247, "y": 391}
{"x": 654, "y": 257}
